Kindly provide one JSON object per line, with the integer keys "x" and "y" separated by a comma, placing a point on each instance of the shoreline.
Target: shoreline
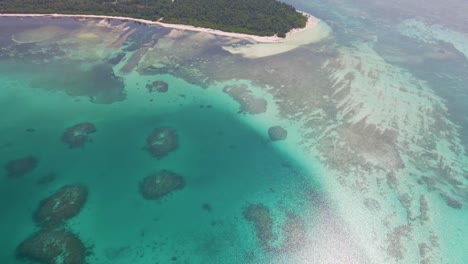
{"x": 312, "y": 22}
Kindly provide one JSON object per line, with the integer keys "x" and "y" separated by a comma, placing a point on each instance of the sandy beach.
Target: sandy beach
{"x": 312, "y": 22}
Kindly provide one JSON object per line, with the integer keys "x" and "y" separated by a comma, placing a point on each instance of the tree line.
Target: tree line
{"x": 258, "y": 17}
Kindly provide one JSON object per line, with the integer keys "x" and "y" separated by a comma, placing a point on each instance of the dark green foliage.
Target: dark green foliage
{"x": 259, "y": 17}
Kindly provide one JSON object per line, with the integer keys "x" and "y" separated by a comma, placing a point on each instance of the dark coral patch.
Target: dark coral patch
{"x": 160, "y": 184}
{"x": 77, "y": 135}
{"x": 60, "y": 206}
{"x": 452, "y": 202}
{"x": 21, "y": 166}
{"x": 294, "y": 233}
{"x": 260, "y": 217}
{"x": 51, "y": 247}
{"x": 159, "y": 86}
{"x": 277, "y": 133}
{"x": 162, "y": 141}
{"x": 207, "y": 207}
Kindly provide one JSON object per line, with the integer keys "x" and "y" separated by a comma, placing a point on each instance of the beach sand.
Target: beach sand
{"x": 261, "y": 46}
{"x": 311, "y": 23}
{"x": 315, "y": 31}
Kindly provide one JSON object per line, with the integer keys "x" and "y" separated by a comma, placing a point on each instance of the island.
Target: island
{"x": 253, "y": 17}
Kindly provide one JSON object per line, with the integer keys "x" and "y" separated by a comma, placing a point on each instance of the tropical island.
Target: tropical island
{"x": 254, "y": 17}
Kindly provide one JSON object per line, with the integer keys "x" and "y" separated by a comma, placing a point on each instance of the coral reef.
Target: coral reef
{"x": 161, "y": 141}
{"x": 277, "y": 133}
{"x": 53, "y": 247}
{"x": 249, "y": 102}
{"x": 451, "y": 202}
{"x": 158, "y": 86}
{"x": 60, "y": 206}
{"x": 260, "y": 217}
{"x": 21, "y": 166}
{"x": 77, "y": 135}
{"x": 294, "y": 233}
{"x": 160, "y": 184}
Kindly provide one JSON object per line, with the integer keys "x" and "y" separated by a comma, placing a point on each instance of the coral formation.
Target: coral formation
{"x": 50, "y": 246}
{"x": 77, "y": 135}
{"x": 158, "y": 86}
{"x": 161, "y": 141}
{"x": 160, "y": 184}
{"x": 294, "y": 233}
{"x": 21, "y": 166}
{"x": 277, "y": 133}
{"x": 451, "y": 202}
{"x": 260, "y": 216}
{"x": 60, "y": 206}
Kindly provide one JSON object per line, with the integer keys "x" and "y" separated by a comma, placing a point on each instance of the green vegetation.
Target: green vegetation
{"x": 258, "y": 17}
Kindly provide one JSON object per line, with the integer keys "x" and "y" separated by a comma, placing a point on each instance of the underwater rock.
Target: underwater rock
{"x": 66, "y": 203}
{"x": 52, "y": 247}
{"x": 277, "y": 133}
{"x": 294, "y": 233}
{"x": 450, "y": 201}
{"x": 160, "y": 184}
{"x": 77, "y": 135}
{"x": 260, "y": 216}
{"x": 21, "y": 166}
{"x": 249, "y": 103}
{"x": 161, "y": 141}
{"x": 159, "y": 86}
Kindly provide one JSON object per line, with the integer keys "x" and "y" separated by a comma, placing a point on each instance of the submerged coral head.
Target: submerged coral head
{"x": 260, "y": 217}
{"x": 21, "y": 166}
{"x": 77, "y": 135}
{"x": 159, "y": 86}
{"x": 53, "y": 246}
{"x": 160, "y": 184}
{"x": 161, "y": 142}
{"x": 277, "y": 133}
{"x": 66, "y": 203}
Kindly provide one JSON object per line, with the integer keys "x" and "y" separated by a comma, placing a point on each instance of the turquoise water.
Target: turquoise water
{"x": 226, "y": 164}
{"x": 374, "y": 168}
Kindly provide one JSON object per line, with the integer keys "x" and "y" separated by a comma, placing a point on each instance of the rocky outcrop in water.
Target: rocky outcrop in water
{"x": 52, "y": 247}
{"x": 161, "y": 142}
{"x": 260, "y": 217}
{"x": 159, "y": 86}
{"x": 66, "y": 203}
{"x": 21, "y": 166}
{"x": 77, "y": 135}
{"x": 277, "y": 133}
{"x": 160, "y": 184}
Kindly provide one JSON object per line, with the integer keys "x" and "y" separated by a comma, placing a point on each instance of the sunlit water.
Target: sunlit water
{"x": 374, "y": 167}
